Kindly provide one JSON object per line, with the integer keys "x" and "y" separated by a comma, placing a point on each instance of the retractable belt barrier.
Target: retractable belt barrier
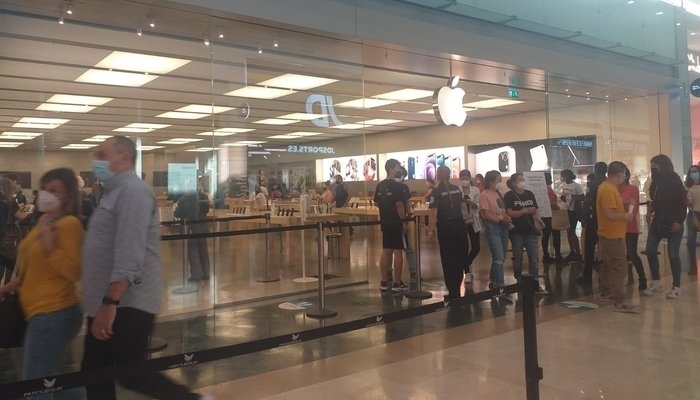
{"x": 58, "y": 383}
{"x": 214, "y": 219}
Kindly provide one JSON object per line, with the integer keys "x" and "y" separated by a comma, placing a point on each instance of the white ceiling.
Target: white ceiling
{"x": 41, "y": 58}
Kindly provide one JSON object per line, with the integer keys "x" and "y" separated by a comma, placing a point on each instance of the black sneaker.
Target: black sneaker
{"x": 399, "y": 287}
{"x": 383, "y": 286}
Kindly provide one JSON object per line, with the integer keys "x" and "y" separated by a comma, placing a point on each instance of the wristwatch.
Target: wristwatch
{"x": 110, "y": 301}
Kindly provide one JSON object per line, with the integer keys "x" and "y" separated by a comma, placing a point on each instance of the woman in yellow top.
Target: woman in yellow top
{"x": 49, "y": 267}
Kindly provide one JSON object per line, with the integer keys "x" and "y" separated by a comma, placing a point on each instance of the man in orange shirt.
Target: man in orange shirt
{"x": 612, "y": 228}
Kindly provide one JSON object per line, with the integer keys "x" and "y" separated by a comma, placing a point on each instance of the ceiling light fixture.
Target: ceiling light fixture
{"x": 69, "y": 10}
{"x": 117, "y": 78}
{"x": 296, "y": 81}
{"x": 275, "y": 43}
{"x": 80, "y": 100}
{"x": 258, "y": 92}
{"x": 225, "y": 132}
{"x": 221, "y": 35}
{"x": 206, "y": 40}
{"x": 180, "y": 141}
{"x": 630, "y": 2}
{"x": 97, "y": 138}
{"x": 139, "y": 127}
{"x": 79, "y": 146}
{"x": 151, "y": 22}
{"x": 349, "y": 126}
{"x": 55, "y": 107}
{"x": 204, "y": 109}
{"x": 259, "y": 50}
{"x": 242, "y": 143}
{"x": 493, "y": 103}
{"x": 181, "y": 115}
{"x": 147, "y": 148}
{"x": 60, "y": 20}
{"x": 203, "y": 149}
{"x": 136, "y": 62}
{"x": 405, "y": 94}
{"x": 40, "y": 123}
{"x": 275, "y": 121}
{"x": 20, "y": 135}
{"x": 659, "y": 13}
{"x": 138, "y": 31}
{"x": 11, "y": 144}
{"x": 381, "y": 121}
{"x": 366, "y": 103}
{"x": 588, "y": 93}
{"x": 302, "y": 116}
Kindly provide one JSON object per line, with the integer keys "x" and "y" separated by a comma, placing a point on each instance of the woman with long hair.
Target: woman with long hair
{"x": 692, "y": 184}
{"x": 49, "y": 267}
{"x": 496, "y": 225}
{"x": 667, "y": 211}
{"x": 572, "y": 195}
{"x": 547, "y": 232}
{"x": 630, "y": 198}
{"x": 472, "y": 220}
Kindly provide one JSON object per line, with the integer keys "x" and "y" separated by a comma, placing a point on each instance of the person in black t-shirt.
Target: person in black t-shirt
{"x": 389, "y": 197}
{"x": 451, "y": 231}
{"x": 521, "y": 206}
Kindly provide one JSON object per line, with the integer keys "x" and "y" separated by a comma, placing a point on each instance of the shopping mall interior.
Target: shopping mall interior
{"x": 226, "y": 98}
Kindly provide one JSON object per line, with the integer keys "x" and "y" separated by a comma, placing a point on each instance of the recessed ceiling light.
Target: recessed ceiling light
{"x": 302, "y": 116}
{"x": 136, "y": 62}
{"x": 381, "y": 121}
{"x": 180, "y": 141}
{"x": 493, "y": 103}
{"x": 117, "y": 78}
{"x": 405, "y": 94}
{"x": 693, "y": 33}
{"x": 80, "y": 100}
{"x": 630, "y": 2}
{"x": 258, "y": 92}
{"x": 97, "y": 138}
{"x": 244, "y": 143}
{"x": 349, "y": 126}
{"x": 298, "y": 82}
{"x": 11, "y": 144}
{"x": 147, "y": 148}
{"x": 225, "y": 132}
{"x": 182, "y": 115}
{"x": 40, "y": 123}
{"x": 302, "y": 134}
{"x": 55, "y": 107}
{"x": 204, "y": 149}
{"x": 140, "y": 127}
{"x": 275, "y": 121}
{"x": 258, "y": 153}
{"x": 69, "y": 10}
{"x": 431, "y": 111}
{"x": 366, "y": 103}
{"x": 295, "y": 135}
{"x": 20, "y": 135}
{"x": 79, "y": 146}
{"x": 659, "y": 13}
{"x": 286, "y": 137}
{"x": 204, "y": 109}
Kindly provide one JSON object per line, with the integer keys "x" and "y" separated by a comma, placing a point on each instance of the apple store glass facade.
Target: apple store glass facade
{"x": 240, "y": 109}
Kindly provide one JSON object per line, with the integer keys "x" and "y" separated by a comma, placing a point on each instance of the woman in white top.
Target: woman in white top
{"x": 472, "y": 219}
{"x": 572, "y": 195}
{"x": 692, "y": 184}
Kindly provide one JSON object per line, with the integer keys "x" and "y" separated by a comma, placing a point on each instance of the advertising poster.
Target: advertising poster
{"x": 182, "y": 178}
{"x": 423, "y": 164}
{"x": 575, "y": 153}
{"x": 352, "y": 169}
{"x": 535, "y": 182}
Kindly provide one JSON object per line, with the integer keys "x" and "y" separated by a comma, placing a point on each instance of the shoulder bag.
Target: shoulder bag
{"x": 12, "y": 323}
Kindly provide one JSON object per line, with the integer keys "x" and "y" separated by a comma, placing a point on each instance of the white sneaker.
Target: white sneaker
{"x": 626, "y": 307}
{"x": 673, "y": 293}
{"x": 654, "y": 288}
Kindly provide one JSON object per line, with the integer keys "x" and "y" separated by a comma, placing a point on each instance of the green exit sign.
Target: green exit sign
{"x": 513, "y": 93}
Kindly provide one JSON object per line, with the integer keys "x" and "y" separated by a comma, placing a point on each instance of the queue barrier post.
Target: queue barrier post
{"x": 187, "y": 286}
{"x": 533, "y": 372}
{"x": 419, "y": 293}
{"x": 322, "y": 311}
{"x": 267, "y": 277}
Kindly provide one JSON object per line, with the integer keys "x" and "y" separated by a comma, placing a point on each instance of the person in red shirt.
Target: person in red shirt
{"x": 630, "y": 199}
{"x": 547, "y": 231}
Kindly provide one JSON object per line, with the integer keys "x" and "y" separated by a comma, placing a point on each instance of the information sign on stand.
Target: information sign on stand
{"x": 536, "y": 183}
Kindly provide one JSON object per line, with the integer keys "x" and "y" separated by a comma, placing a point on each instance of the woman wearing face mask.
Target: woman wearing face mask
{"x": 496, "y": 224}
{"x": 572, "y": 195}
{"x": 521, "y": 206}
{"x": 49, "y": 267}
{"x": 630, "y": 199}
{"x": 472, "y": 220}
{"x": 692, "y": 184}
{"x": 667, "y": 211}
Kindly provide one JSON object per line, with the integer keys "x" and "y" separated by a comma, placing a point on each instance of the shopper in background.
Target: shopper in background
{"x": 472, "y": 220}
{"x": 612, "y": 230}
{"x": 521, "y": 207}
{"x": 327, "y": 195}
{"x": 410, "y": 251}
{"x": 667, "y": 210}
{"x": 630, "y": 200}
{"x": 572, "y": 195}
{"x": 479, "y": 182}
{"x": 590, "y": 222}
{"x": 452, "y": 234}
{"x": 122, "y": 279}
{"x": 430, "y": 222}
{"x": 496, "y": 224}
{"x": 8, "y": 207}
{"x": 388, "y": 196}
{"x": 340, "y": 192}
{"x": 692, "y": 184}
{"x": 193, "y": 208}
{"x": 547, "y": 231}
{"x": 49, "y": 268}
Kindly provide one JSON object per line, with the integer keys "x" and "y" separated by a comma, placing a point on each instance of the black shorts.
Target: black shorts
{"x": 572, "y": 221}
{"x": 393, "y": 237}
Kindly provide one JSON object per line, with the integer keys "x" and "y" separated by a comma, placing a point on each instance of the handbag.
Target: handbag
{"x": 12, "y": 323}
{"x": 560, "y": 220}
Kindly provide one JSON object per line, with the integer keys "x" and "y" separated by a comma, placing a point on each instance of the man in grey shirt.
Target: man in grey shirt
{"x": 122, "y": 275}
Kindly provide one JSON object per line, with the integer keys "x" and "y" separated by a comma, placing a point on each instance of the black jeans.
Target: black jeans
{"x": 132, "y": 329}
{"x": 452, "y": 237}
{"x": 474, "y": 247}
{"x": 198, "y": 252}
{"x": 556, "y": 238}
{"x": 631, "y": 240}
{"x": 589, "y": 250}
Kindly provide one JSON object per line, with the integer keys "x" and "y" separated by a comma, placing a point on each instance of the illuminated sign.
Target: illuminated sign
{"x": 448, "y": 108}
{"x": 575, "y": 143}
{"x": 293, "y": 148}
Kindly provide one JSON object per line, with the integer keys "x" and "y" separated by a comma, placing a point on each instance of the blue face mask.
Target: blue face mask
{"x": 695, "y": 176}
{"x": 101, "y": 170}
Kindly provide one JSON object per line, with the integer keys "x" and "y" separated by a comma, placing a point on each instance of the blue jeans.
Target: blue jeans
{"x": 529, "y": 241}
{"x": 45, "y": 341}
{"x": 691, "y": 242}
{"x": 497, "y": 237}
{"x": 674, "y": 245}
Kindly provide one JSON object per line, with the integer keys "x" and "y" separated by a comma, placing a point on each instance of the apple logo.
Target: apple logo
{"x": 447, "y": 105}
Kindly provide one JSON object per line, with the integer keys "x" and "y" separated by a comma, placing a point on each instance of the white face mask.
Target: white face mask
{"x": 501, "y": 187}
{"x": 466, "y": 182}
{"x": 399, "y": 180}
{"x": 521, "y": 185}
{"x": 47, "y": 202}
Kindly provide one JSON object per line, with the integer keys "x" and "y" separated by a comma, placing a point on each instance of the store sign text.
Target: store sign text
{"x": 693, "y": 63}
{"x": 575, "y": 143}
{"x": 293, "y": 148}
{"x": 327, "y": 110}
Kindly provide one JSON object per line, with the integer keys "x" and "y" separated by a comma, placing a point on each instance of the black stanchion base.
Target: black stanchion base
{"x": 322, "y": 313}
{"x": 265, "y": 280}
{"x": 156, "y": 344}
{"x": 418, "y": 294}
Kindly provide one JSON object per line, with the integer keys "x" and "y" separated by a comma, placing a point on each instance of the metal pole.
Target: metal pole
{"x": 267, "y": 277}
{"x": 419, "y": 293}
{"x": 186, "y": 288}
{"x": 322, "y": 311}
{"x": 533, "y": 372}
